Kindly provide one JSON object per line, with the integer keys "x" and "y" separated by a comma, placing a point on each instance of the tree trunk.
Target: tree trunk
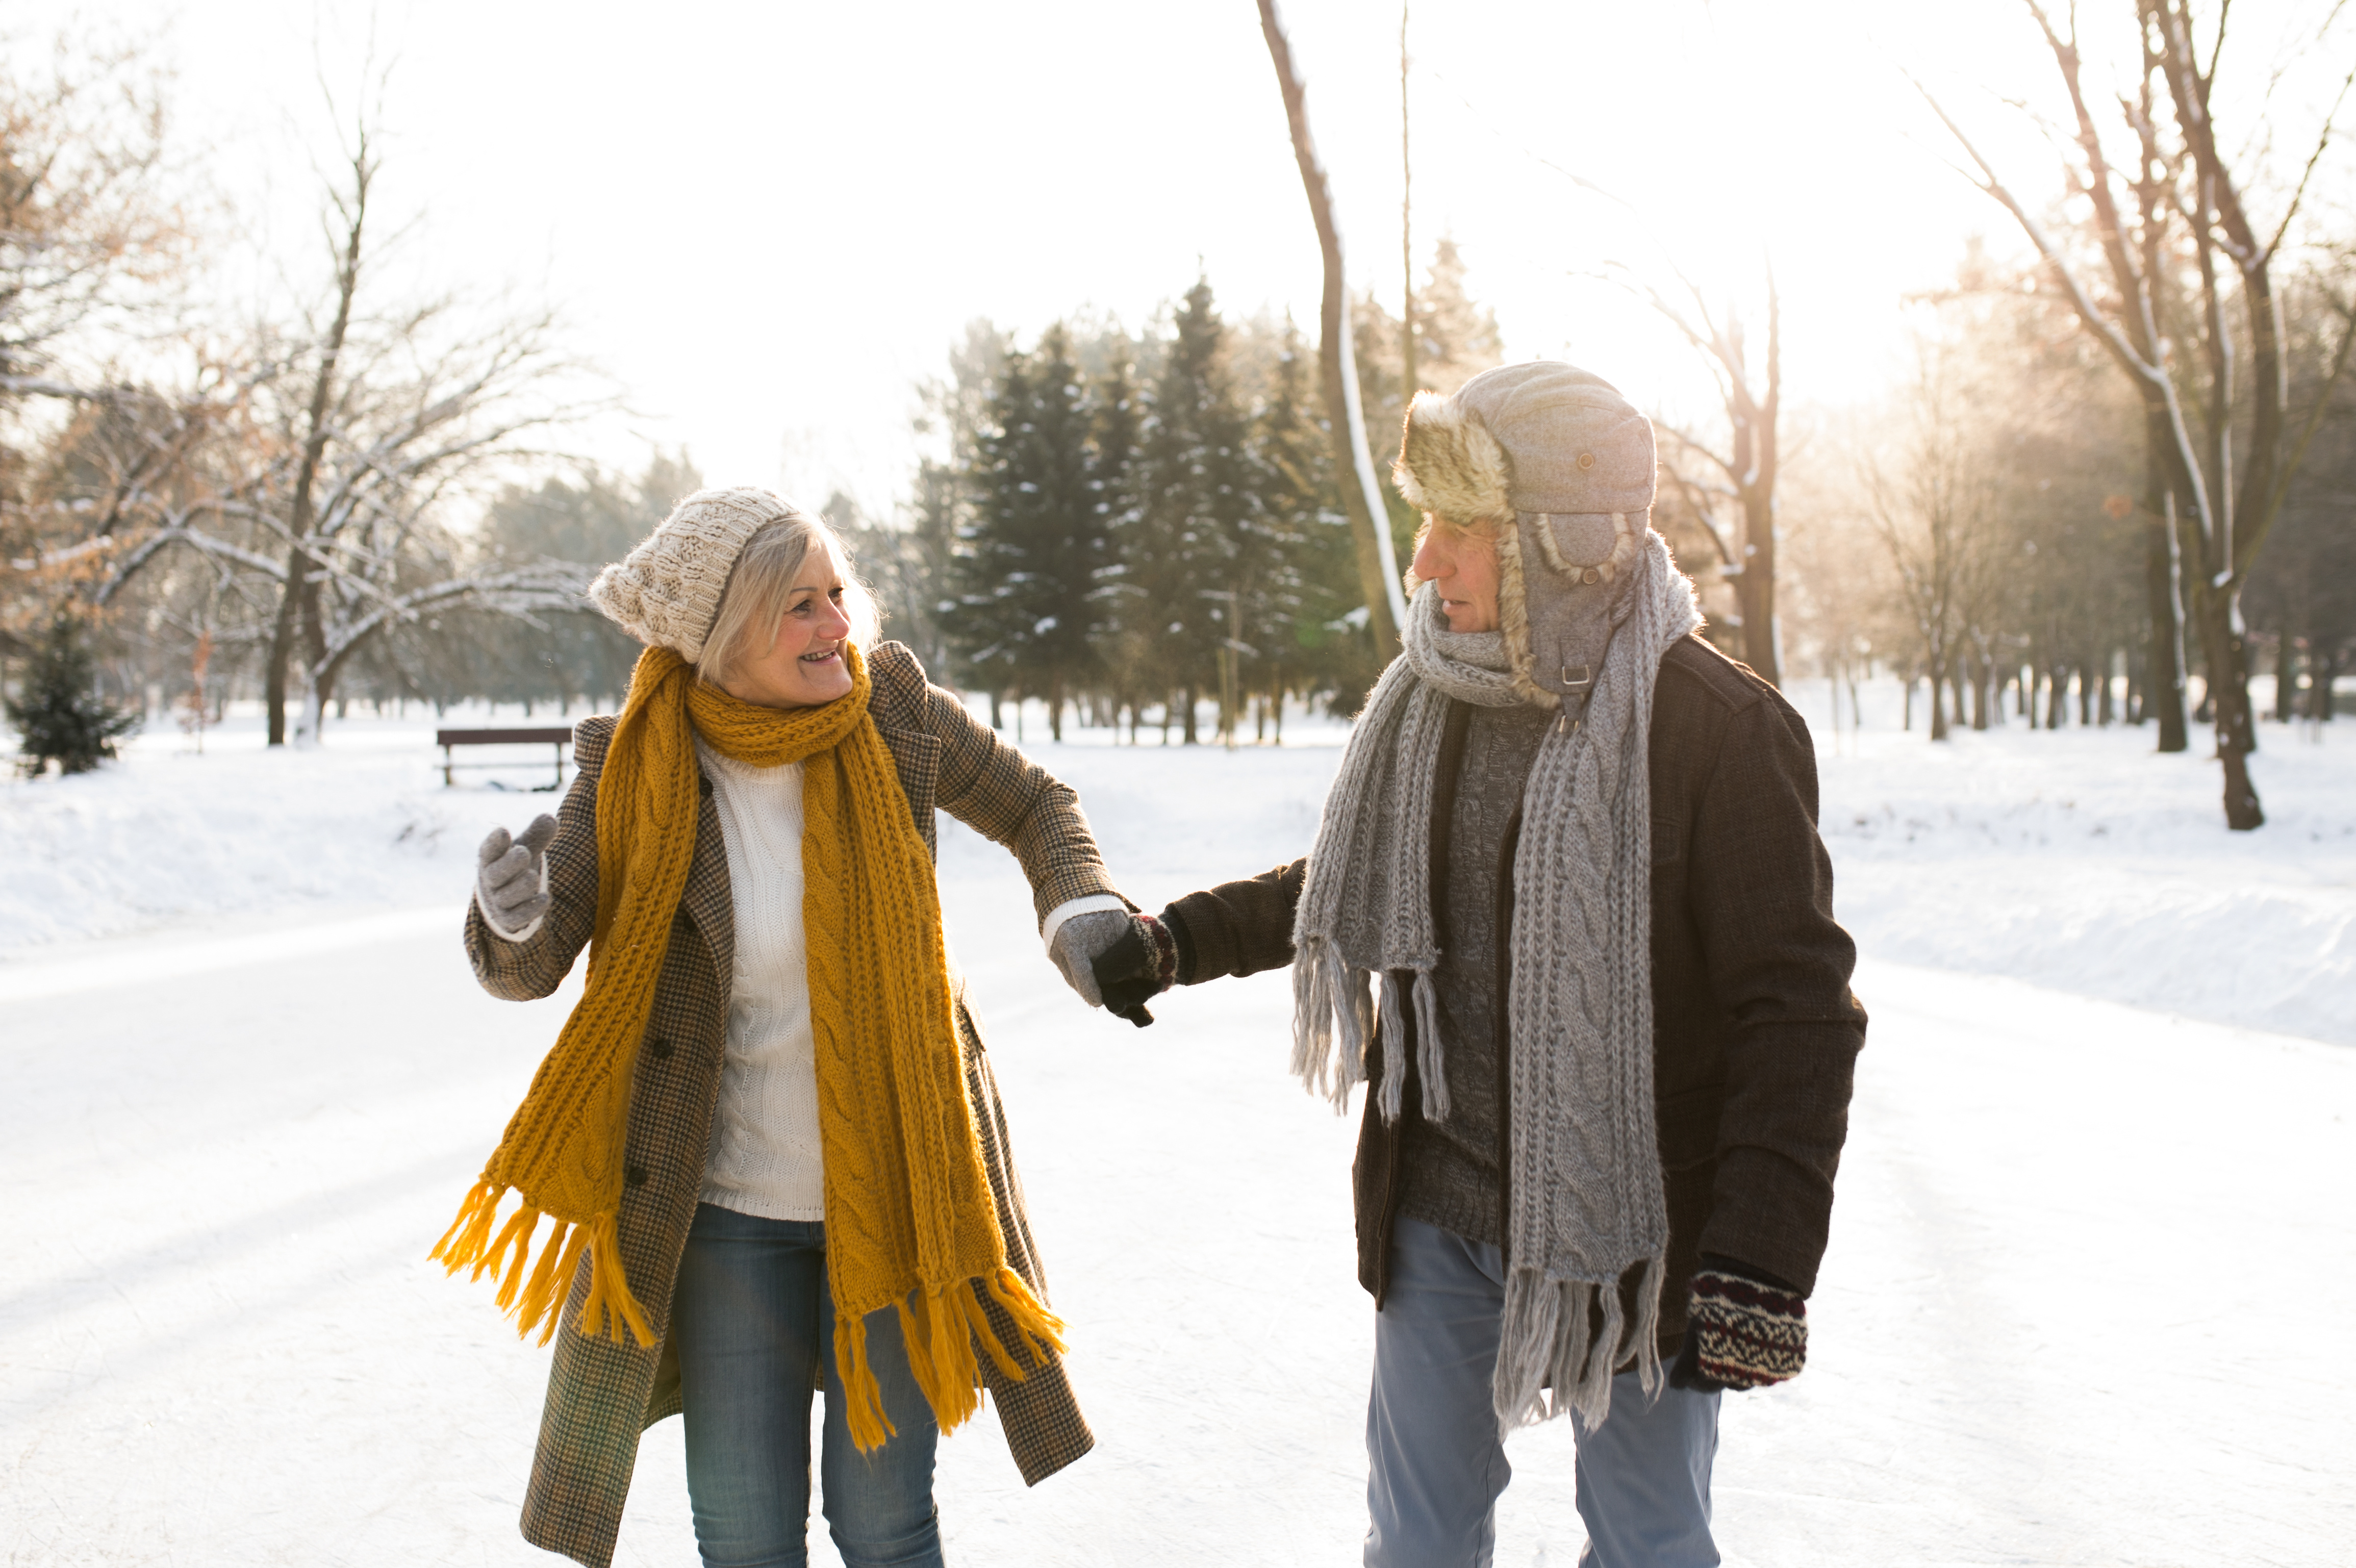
{"x": 2228, "y": 697}
{"x": 298, "y": 607}
{"x": 2163, "y": 684}
{"x": 281, "y": 649}
{"x": 1755, "y": 587}
{"x": 1191, "y": 698}
{"x": 1379, "y": 577}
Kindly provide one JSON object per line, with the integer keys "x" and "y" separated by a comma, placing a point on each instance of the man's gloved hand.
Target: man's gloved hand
{"x": 1140, "y": 963}
{"x": 1744, "y": 1332}
{"x": 1078, "y": 940}
{"x": 512, "y": 878}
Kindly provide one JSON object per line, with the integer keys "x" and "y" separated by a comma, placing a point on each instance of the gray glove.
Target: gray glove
{"x": 1078, "y": 942}
{"x": 512, "y": 878}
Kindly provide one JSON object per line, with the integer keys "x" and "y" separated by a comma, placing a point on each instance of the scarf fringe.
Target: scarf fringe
{"x": 1393, "y": 1019}
{"x": 531, "y": 1297}
{"x": 1429, "y": 1063}
{"x": 1332, "y": 1016}
{"x": 1560, "y": 1342}
{"x": 941, "y": 1329}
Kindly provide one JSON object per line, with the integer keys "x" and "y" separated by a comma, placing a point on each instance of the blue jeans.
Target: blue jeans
{"x": 1436, "y": 1464}
{"x": 755, "y": 1325}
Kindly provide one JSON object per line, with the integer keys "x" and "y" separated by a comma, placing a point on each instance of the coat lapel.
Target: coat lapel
{"x": 707, "y": 901}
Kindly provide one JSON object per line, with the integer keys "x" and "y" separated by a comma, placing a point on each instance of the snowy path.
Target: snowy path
{"x": 2079, "y": 1306}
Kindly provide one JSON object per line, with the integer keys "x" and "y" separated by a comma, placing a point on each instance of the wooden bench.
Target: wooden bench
{"x": 559, "y": 736}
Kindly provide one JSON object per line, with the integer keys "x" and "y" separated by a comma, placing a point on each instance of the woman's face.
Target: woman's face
{"x": 803, "y": 664}
{"x": 1463, "y": 567}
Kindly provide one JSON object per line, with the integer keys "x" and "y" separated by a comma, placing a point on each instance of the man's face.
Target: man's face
{"x": 1463, "y": 567}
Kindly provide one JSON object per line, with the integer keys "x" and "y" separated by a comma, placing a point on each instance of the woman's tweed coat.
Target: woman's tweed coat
{"x": 602, "y": 1395}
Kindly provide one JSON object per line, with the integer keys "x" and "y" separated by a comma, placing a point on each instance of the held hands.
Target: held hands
{"x": 1077, "y": 941}
{"x": 1102, "y": 954}
{"x": 1141, "y": 962}
{"x": 1744, "y": 1333}
{"x": 512, "y": 878}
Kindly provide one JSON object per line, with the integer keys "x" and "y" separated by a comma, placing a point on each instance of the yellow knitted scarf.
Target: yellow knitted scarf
{"x": 910, "y": 1221}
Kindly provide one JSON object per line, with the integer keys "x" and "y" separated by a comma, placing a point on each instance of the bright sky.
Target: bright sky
{"x": 768, "y": 221}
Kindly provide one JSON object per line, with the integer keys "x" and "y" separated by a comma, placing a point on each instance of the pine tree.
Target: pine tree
{"x": 1312, "y": 635}
{"x": 1035, "y": 543}
{"x": 60, "y": 714}
{"x": 1185, "y": 556}
{"x": 1127, "y": 616}
{"x": 1455, "y": 339}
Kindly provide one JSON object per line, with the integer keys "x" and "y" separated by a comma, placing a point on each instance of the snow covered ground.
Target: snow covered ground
{"x": 2077, "y": 1308}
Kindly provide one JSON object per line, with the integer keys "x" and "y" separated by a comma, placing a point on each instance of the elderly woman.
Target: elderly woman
{"x": 768, "y": 1137}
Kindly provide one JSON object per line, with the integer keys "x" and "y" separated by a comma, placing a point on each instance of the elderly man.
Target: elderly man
{"x": 1568, "y": 917}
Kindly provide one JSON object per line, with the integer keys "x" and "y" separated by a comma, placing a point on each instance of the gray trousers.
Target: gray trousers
{"x": 1437, "y": 1464}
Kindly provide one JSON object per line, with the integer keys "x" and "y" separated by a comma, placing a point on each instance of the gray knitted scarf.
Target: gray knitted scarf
{"x": 1585, "y": 1200}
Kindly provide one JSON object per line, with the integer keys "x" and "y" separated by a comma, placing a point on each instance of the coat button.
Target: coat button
{"x": 1587, "y": 459}
{"x": 636, "y": 1175}
{"x": 703, "y": 786}
{"x": 661, "y": 1049}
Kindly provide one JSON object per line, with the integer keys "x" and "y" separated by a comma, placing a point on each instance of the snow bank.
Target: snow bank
{"x": 2081, "y": 860}
{"x": 166, "y": 836}
{"x": 2076, "y": 859}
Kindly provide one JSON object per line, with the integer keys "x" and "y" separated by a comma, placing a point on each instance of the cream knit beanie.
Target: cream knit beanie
{"x": 666, "y": 592}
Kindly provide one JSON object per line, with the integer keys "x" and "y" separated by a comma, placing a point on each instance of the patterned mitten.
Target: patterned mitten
{"x": 1142, "y": 962}
{"x": 1743, "y": 1333}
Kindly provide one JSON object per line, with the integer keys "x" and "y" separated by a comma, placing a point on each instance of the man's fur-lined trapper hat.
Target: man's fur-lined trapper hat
{"x": 1542, "y": 453}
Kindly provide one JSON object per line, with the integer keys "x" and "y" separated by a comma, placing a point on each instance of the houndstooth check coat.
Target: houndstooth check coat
{"x": 602, "y": 1395}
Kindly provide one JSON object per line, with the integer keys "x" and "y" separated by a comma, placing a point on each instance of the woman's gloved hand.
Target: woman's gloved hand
{"x": 1744, "y": 1332}
{"x": 1077, "y": 943}
{"x": 512, "y": 879}
{"x": 1142, "y": 962}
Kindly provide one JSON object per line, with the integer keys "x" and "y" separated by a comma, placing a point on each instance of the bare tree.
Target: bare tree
{"x": 1378, "y": 560}
{"x": 90, "y": 246}
{"x": 1734, "y": 496}
{"x": 1932, "y": 500}
{"x": 84, "y": 227}
{"x": 325, "y": 477}
{"x": 2214, "y": 500}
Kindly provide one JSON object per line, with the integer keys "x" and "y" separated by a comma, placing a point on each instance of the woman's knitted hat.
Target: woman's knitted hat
{"x": 667, "y": 592}
{"x": 1566, "y": 467}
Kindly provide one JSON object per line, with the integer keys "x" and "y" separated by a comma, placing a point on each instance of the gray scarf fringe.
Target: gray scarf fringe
{"x": 1586, "y": 1205}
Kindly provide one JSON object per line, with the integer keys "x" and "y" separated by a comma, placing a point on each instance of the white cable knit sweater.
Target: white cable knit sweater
{"x": 765, "y": 1157}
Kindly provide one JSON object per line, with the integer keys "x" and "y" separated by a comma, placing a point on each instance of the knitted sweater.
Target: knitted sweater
{"x": 1451, "y": 1168}
{"x": 765, "y": 1157}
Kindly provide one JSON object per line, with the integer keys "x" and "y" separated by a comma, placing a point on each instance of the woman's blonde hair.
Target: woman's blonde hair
{"x": 760, "y": 588}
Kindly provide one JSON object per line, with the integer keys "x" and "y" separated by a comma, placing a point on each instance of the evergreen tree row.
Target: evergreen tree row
{"x": 1152, "y": 523}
